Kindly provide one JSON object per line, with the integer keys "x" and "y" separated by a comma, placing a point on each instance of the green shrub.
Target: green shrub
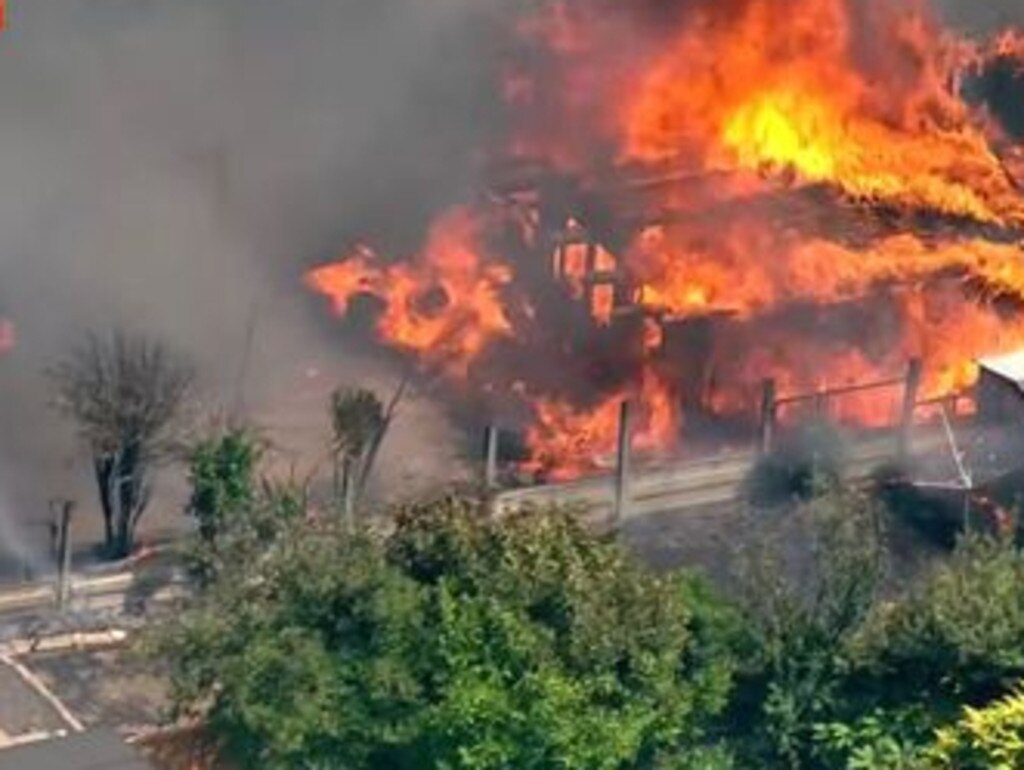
{"x": 456, "y": 642}
{"x": 222, "y": 472}
{"x": 812, "y": 453}
{"x": 959, "y": 637}
{"x": 991, "y": 738}
{"x": 803, "y": 616}
{"x": 877, "y": 740}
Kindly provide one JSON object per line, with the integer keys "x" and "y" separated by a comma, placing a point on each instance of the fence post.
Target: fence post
{"x": 622, "y": 463}
{"x": 768, "y": 416}
{"x": 64, "y": 553}
{"x": 910, "y": 391}
{"x": 492, "y": 436}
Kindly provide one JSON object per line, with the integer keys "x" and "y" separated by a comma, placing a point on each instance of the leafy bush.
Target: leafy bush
{"x": 456, "y": 642}
{"x": 461, "y": 642}
{"x": 878, "y": 740}
{"x": 812, "y": 453}
{"x": 958, "y": 638}
{"x": 803, "y": 616}
{"x": 991, "y": 738}
{"x": 222, "y": 472}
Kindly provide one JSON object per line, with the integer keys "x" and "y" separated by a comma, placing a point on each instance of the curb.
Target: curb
{"x": 79, "y": 641}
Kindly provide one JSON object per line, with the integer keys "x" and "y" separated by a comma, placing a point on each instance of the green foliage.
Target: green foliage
{"x": 700, "y": 758}
{"x": 991, "y": 738}
{"x": 222, "y": 472}
{"x": 459, "y": 642}
{"x": 959, "y": 638}
{"x": 955, "y": 640}
{"x": 357, "y": 416}
{"x": 306, "y": 656}
{"x": 878, "y": 740}
{"x": 359, "y": 422}
{"x": 804, "y": 616}
{"x": 796, "y": 466}
{"x": 456, "y": 642}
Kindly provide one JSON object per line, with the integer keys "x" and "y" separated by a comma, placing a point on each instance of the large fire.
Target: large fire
{"x": 696, "y": 196}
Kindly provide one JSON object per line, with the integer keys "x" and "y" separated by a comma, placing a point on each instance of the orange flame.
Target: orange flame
{"x": 758, "y": 93}
{"x": 836, "y": 163}
{"x": 751, "y": 270}
{"x": 454, "y": 328}
{"x": 567, "y": 441}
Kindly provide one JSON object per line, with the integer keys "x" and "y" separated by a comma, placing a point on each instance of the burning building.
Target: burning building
{"x": 691, "y": 197}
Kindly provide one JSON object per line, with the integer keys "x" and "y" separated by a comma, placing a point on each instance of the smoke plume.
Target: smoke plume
{"x": 175, "y": 167}
{"x": 171, "y": 168}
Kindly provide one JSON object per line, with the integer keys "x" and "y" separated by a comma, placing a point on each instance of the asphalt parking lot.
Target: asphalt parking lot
{"x": 24, "y": 713}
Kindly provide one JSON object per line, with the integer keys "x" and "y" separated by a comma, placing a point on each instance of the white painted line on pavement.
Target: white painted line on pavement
{"x": 9, "y": 741}
{"x": 36, "y": 684}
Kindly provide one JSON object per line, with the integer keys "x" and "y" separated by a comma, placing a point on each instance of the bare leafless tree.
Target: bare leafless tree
{"x": 124, "y": 391}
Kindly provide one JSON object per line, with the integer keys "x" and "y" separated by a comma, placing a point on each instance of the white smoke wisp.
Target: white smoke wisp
{"x": 21, "y": 555}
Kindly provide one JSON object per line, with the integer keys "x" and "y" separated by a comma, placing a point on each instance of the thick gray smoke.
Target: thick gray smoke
{"x": 984, "y": 17}
{"x": 172, "y": 166}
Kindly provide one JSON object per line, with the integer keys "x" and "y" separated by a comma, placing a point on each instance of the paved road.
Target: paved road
{"x": 23, "y": 712}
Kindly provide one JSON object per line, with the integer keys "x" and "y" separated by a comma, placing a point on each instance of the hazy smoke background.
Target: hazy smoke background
{"x": 982, "y": 16}
{"x": 173, "y": 166}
